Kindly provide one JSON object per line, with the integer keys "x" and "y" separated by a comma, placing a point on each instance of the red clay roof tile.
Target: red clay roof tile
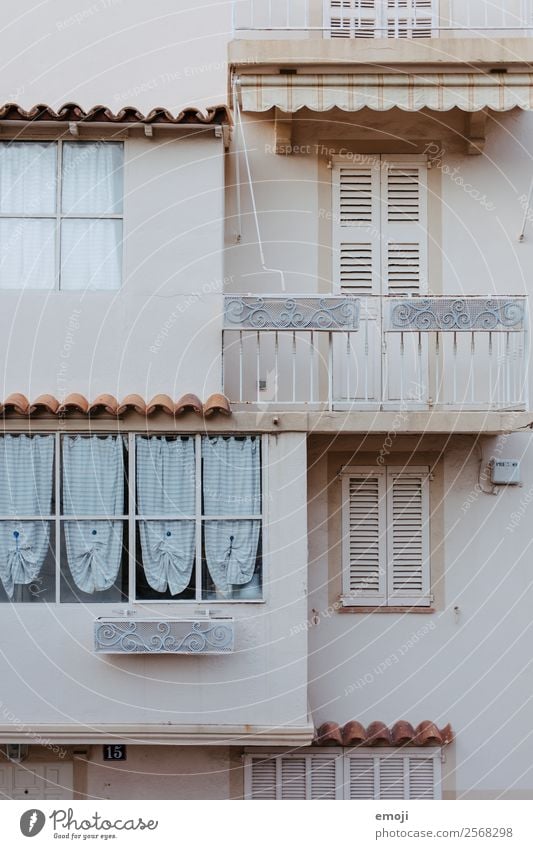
{"x": 188, "y": 402}
{"x": 402, "y": 733}
{"x": 218, "y": 114}
{"x": 217, "y": 404}
{"x": 17, "y": 403}
{"x": 74, "y": 403}
{"x": 77, "y": 404}
{"x": 104, "y": 404}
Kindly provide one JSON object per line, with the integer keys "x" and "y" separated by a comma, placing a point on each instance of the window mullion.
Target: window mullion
{"x": 57, "y": 522}
{"x": 59, "y": 160}
{"x": 198, "y": 481}
{"x": 132, "y": 522}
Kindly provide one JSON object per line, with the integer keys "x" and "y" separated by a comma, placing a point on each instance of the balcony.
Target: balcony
{"x": 376, "y": 353}
{"x": 334, "y": 19}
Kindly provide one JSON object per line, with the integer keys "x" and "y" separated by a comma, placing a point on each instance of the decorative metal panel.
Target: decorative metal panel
{"x": 250, "y": 313}
{"x": 456, "y": 314}
{"x": 171, "y": 636}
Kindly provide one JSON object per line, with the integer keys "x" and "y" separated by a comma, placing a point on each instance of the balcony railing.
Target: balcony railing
{"x": 462, "y": 353}
{"x": 342, "y": 19}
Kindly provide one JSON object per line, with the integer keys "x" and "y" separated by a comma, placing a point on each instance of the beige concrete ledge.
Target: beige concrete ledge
{"x": 164, "y": 735}
{"x": 275, "y": 421}
{"x": 385, "y": 53}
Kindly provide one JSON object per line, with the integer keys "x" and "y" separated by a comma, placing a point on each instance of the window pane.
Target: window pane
{"x": 27, "y": 561}
{"x": 91, "y": 254}
{"x": 27, "y": 253}
{"x": 28, "y": 178}
{"x": 232, "y": 560}
{"x": 26, "y": 475}
{"x": 165, "y": 559}
{"x": 94, "y": 561}
{"x": 92, "y": 178}
{"x": 231, "y": 471}
{"x": 93, "y": 476}
{"x": 166, "y": 474}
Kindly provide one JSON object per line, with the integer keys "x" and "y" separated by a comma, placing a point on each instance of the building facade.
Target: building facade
{"x": 265, "y": 451}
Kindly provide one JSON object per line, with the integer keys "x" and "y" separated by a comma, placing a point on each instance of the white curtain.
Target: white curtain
{"x": 93, "y": 485}
{"x": 166, "y": 487}
{"x": 28, "y": 178}
{"x": 231, "y": 487}
{"x": 91, "y": 253}
{"x": 92, "y": 178}
{"x": 27, "y": 253}
{"x": 26, "y": 482}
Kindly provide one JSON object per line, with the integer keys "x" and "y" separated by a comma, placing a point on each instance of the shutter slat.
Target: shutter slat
{"x": 421, "y": 778}
{"x": 263, "y": 782}
{"x": 293, "y": 778}
{"x": 408, "y": 536}
{"x": 365, "y": 538}
{"x": 392, "y": 777}
{"x": 323, "y": 778}
{"x": 356, "y": 226}
{"x": 404, "y": 220}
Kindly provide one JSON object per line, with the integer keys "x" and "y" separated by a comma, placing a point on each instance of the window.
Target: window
{"x": 344, "y": 774}
{"x": 385, "y": 536}
{"x": 61, "y": 215}
{"x": 124, "y": 518}
{"x": 380, "y": 225}
{"x": 382, "y": 18}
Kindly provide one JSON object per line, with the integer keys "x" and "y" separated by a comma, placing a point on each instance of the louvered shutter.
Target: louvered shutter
{"x": 260, "y": 777}
{"x": 324, "y": 777}
{"x": 364, "y": 538}
{"x": 411, "y": 18}
{"x": 408, "y": 575}
{"x": 356, "y": 226}
{"x": 422, "y": 778}
{"x": 293, "y": 778}
{"x": 404, "y": 226}
{"x": 354, "y": 18}
{"x": 390, "y": 775}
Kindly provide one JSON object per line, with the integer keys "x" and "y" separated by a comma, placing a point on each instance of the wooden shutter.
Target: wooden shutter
{"x": 391, "y": 775}
{"x": 356, "y": 226}
{"x": 294, "y": 777}
{"x": 408, "y": 575}
{"x": 260, "y": 777}
{"x": 410, "y": 18}
{"x": 353, "y": 18}
{"x": 364, "y": 538}
{"x": 404, "y": 226}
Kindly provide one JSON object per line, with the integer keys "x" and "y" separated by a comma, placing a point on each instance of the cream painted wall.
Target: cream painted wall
{"x": 134, "y": 339}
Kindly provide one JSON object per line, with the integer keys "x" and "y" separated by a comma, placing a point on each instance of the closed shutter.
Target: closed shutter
{"x": 382, "y": 18}
{"x": 411, "y": 18}
{"x": 404, "y": 227}
{"x": 408, "y": 537}
{"x": 364, "y": 538}
{"x": 356, "y": 227}
{"x": 380, "y": 226}
{"x": 261, "y": 773}
{"x": 389, "y": 775}
{"x": 293, "y": 777}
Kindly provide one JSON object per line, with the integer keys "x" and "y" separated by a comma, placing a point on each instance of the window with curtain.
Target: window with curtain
{"x": 61, "y": 215}
{"x": 75, "y": 528}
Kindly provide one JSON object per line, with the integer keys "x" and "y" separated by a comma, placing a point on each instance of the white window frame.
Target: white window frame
{"x": 385, "y": 598}
{"x": 342, "y": 790}
{"x": 381, "y": 28}
{"x": 58, "y": 216}
{"x": 132, "y": 517}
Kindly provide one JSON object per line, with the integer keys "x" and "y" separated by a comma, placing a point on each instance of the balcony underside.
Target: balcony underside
{"x": 493, "y": 52}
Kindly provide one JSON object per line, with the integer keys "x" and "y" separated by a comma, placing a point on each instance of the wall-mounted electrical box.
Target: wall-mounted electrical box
{"x": 505, "y": 472}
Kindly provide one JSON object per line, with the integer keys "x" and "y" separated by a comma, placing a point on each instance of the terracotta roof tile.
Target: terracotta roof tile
{"x": 402, "y": 733}
{"x": 132, "y": 402}
{"x": 160, "y": 402}
{"x": 17, "y": 403}
{"x": 76, "y": 404}
{"x": 104, "y": 404}
{"x": 218, "y": 114}
{"x": 217, "y": 404}
{"x": 44, "y": 404}
{"x": 187, "y": 403}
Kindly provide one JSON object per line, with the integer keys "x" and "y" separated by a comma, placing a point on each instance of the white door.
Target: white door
{"x": 29, "y": 780}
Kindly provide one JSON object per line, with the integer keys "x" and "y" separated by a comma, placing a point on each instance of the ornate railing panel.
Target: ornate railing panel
{"x": 456, "y": 315}
{"x": 169, "y": 636}
{"x": 291, "y": 313}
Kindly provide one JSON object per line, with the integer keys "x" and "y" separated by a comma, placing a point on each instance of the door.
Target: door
{"x": 29, "y": 780}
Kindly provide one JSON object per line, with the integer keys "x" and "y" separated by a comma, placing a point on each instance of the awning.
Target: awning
{"x": 411, "y": 92}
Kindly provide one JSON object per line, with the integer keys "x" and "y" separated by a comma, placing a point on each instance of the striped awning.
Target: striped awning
{"x": 411, "y": 92}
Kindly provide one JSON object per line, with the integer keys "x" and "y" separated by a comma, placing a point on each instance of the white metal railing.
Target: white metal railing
{"x": 300, "y": 18}
{"x": 466, "y": 353}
